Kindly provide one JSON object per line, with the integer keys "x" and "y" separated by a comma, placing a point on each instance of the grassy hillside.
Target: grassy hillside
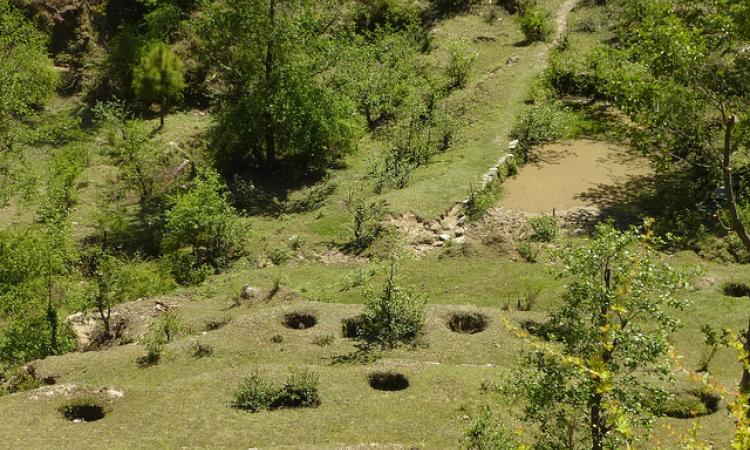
{"x": 299, "y": 260}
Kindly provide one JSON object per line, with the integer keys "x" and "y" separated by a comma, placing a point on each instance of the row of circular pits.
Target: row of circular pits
{"x": 91, "y": 410}
{"x": 458, "y": 322}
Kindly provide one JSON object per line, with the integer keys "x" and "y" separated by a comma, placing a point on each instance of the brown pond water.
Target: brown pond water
{"x": 577, "y": 174}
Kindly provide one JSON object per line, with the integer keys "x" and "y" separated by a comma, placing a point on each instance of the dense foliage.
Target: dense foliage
{"x": 598, "y": 378}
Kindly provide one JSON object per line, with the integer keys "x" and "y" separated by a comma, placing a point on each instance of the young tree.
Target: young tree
{"x": 392, "y": 317}
{"x": 202, "y": 231}
{"x": 595, "y": 385}
{"x": 159, "y": 77}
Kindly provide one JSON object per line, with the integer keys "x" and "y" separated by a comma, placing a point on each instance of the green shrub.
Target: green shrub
{"x": 367, "y": 220}
{"x": 479, "y": 202}
{"x": 392, "y": 317}
{"x": 487, "y": 433}
{"x": 460, "y": 60}
{"x": 257, "y": 394}
{"x": 544, "y": 228}
{"x": 567, "y": 78}
{"x": 538, "y": 125}
{"x": 202, "y": 230}
{"x": 423, "y": 129}
{"x": 299, "y": 391}
{"x": 278, "y": 254}
{"x": 22, "y": 378}
{"x": 254, "y": 394}
{"x": 371, "y": 15}
{"x": 536, "y": 23}
{"x": 528, "y": 252}
{"x": 160, "y": 332}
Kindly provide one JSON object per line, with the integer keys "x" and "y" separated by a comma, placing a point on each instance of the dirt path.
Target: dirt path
{"x": 425, "y": 236}
{"x": 561, "y": 20}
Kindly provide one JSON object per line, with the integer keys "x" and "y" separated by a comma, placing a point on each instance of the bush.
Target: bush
{"x": 544, "y": 228}
{"x": 487, "y": 433}
{"x": 528, "y": 252}
{"x": 479, "y": 202}
{"x": 367, "y": 218}
{"x": 160, "y": 332}
{"x": 254, "y": 394}
{"x": 257, "y": 394}
{"x": 536, "y": 23}
{"x": 299, "y": 391}
{"x": 394, "y": 316}
{"x": 202, "y": 230}
{"x": 459, "y": 63}
{"x": 538, "y": 125}
{"x": 371, "y": 15}
{"x": 423, "y": 129}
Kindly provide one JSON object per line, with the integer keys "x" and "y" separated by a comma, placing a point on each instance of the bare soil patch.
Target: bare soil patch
{"x": 575, "y": 175}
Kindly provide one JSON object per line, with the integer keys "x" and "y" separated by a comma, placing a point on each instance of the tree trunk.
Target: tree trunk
{"x": 745, "y": 383}
{"x": 270, "y": 131}
{"x": 726, "y": 169}
{"x": 162, "y": 112}
{"x": 597, "y": 425}
{"x": 597, "y": 416}
{"x": 739, "y": 227}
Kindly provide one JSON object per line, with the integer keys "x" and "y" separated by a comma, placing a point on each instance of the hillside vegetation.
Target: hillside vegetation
{"x": 364, "y": 224}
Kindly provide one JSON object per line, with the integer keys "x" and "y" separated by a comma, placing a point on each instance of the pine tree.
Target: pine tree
{"x": 159, "y": 77}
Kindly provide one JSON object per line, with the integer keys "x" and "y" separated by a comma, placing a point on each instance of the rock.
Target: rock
{"x": 75, "y": 318}
{"x": 113, "y": 393}
{"x": 249, "y": 292}
{"x": 444, "y": 237}
{"x": 460, "y": 240}
{"x": 434, "y": 227}
{"x": 513, "y": 144}
{"x": 438, "y": 244}
{"x": 161, "y": 306}
{"x": 460, "y": 231}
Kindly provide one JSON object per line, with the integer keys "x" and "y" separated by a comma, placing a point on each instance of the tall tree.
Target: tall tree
{"x": 276, "y": 99}
{"x": 682, "y": 73}
{"x": 159, "y": 77}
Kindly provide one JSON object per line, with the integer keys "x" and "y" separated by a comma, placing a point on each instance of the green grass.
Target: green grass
{"x": 186, "y": 402}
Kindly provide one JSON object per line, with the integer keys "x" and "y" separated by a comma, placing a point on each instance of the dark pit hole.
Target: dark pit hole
{"x": 300, "y": 321}
{"x": 734, "y": 289}
{"x": 692, "y": 404}
{"x": 350, "y": 327}
{"x": 467, "y": 322}
{"x": 83, "y": 412}
{"x": 388, "y": 381}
